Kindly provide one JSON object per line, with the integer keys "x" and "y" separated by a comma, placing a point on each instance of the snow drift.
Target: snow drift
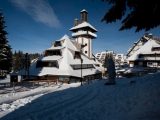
{"x": 130, "y": 99}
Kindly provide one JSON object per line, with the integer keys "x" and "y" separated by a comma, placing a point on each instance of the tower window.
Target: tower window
{"x": 85, "y": 52}
{"x": 77, "y": 55}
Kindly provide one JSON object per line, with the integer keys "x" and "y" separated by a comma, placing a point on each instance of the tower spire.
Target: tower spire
{"x": 84, "y": 32}
{"x": 76, "y": 22}
{"x": 84, "y": 15}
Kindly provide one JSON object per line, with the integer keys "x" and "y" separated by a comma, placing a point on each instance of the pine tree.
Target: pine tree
{"x": 139, "y": 14}
{"x": 5, "y": 49}
{"x": 34, "y": 56}
{"x": 18, "y": 61}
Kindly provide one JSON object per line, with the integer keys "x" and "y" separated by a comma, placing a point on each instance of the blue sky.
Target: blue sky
{"x": 32, "y": 25}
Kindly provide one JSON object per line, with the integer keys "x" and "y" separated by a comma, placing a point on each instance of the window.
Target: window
{"x": 75, "y": 67}
{"x": 149, "y": 63}
{"x": 77, "y": 55}
{"x": 85, "y": 52}
{"x": 57, "y": 43}
{"x": 140, "y": 63}
{"x": 52, "y": 64}
{"x": 155, "y": 48}
{"x": 47, "y": 64}
{"x": 53, "y": 52}
{"x": 84, "y": 66}
{"x": 97, "y": 65}
{"x": 149, "y": 55}
{"x": 140, "y": 56}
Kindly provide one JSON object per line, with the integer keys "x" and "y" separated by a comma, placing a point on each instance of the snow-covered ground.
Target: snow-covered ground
{"x": 130, "y": 99}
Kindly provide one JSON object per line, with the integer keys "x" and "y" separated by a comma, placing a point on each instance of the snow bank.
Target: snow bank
{"x": 6, "y": 108}
{"x": 13, "y": 100}
{"x": 130, "y": 99}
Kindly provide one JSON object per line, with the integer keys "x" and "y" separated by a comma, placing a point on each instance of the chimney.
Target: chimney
{"x": 84, "y": 16}
{"x": 76, "y": 22}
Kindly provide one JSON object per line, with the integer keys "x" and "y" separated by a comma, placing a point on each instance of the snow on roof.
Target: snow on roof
{"x": 85, "y": 61}
{"x": 51, "y": 58}
{"x": 69, "y": 44}
{"x": 76, "y": 44}
{"x": 68, "y": 60}
{"x": 133, "y": 46}
{"x": 145, "y": 49}
{"x": 48, "y": 71}
{"x": 55, "y": 48}
{"x": 84, "y": 10}
{"x": 146, "y": 38}
{"x": 66, "y": 43}
{"x": 83, "y": 25}
{"x": 65, "y": 37}
{"x": 64, "y": 62}
{"x": 84, "y": 33}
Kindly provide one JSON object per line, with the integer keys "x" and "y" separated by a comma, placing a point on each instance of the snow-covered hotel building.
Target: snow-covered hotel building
{"x": 69, "y": 58}
{"x": 102, "y": 55}
{"x": 120, "y": 59}
{"x": 145, "y": 52}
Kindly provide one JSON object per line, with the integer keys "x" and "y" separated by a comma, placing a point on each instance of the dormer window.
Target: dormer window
{"x": 84, "y": 66}
{"x": 47, "y": 64}
{"x": 53, "y": 52}
{"x": 57, "y": 43}
{"x": 77, "y": 55}
{"x": 140, "y": 56}
{"x": 155, "y": 48}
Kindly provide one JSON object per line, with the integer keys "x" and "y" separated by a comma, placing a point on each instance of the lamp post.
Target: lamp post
{"x": 155, "y": 62}
{"x": 27, "y": 64}
{"x": 81, "y": 71}
{"x": 82, "y": 46}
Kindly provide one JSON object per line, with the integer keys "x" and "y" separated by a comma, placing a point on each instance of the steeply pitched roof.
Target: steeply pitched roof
{"x": 65, "y": 37}
{"x": 145, "y": 49}
{"x": 143, "y": 40}
{"x": 65, "y": 61}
